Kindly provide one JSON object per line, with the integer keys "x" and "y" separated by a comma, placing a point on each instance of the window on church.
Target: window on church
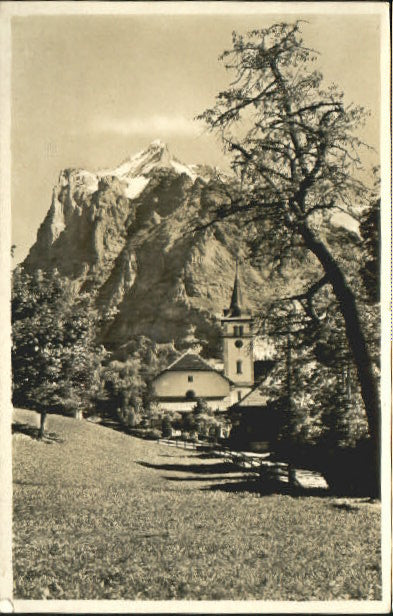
{"x": 239, "y": 367}
{"x": 190, "y": 378}
{"x": 236, "y": 330}
{"x": 240, "y": 330}
{"x": 239, "y": 396}
{"x": 190, "y": 394}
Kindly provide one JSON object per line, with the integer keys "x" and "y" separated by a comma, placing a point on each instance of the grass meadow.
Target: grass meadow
{"x": 99, "y": 514}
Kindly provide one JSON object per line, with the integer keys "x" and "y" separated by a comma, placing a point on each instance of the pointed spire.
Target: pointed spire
{"x": 236, "y": 306}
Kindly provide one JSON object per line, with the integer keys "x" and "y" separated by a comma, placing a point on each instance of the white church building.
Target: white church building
{"x": 190, "y": 376}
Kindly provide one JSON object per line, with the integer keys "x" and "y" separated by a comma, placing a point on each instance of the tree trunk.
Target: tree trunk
{"x": 289, "y": 369}
{"x": 355, "y": 337}
{"x": 348, "y": 383}
{"x": 42, "y": 426}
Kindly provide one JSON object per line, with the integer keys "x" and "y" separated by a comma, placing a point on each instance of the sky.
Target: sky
{"x": 89, "y": 90}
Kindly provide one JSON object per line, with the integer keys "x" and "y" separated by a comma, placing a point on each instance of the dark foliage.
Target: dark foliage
{"x": 295, "y": 151}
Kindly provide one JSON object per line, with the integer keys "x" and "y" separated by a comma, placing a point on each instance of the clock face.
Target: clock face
{"x": 238, "y": 344}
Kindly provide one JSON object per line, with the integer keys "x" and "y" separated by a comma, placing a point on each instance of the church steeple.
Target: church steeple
{"x": 238, "y": 341}
{"x": 236, "y": 306}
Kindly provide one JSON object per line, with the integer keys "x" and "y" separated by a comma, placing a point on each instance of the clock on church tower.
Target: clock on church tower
{"x": 237, "y": 336}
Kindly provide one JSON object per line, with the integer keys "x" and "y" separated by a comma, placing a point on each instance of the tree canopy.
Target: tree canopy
{"x": 56, "y": 361}
{"x": 296, "y": 154}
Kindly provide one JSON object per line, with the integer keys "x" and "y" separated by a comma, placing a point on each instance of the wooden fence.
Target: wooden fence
{"x": 268, "y": 470}
{"x": 251, "y": 462}
{"x": 178, "y": 443}
{"x": 259, "y": 463}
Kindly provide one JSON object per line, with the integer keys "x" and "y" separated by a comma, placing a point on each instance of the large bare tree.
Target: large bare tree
{"x": 294, "y": 148}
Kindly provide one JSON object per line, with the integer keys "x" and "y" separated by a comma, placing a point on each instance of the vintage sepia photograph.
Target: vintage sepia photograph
{"x": 195, "y": 377}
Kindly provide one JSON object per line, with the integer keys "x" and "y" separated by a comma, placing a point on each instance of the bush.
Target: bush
{"x": 148, "y": 433}
{"x": 201, "y": 407}
{"x": 166, "y": 427}
{"x": 350, "y": 471}
{"x": 131, "y": 418}
{"x": 153, "y": 434}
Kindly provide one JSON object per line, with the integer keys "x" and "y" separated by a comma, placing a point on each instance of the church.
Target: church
{"x": 190, "y": 377}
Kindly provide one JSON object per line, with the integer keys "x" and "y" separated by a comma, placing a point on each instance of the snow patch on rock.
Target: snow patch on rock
{"x": 135, "y": 186}
{"x": 183, "y": 169}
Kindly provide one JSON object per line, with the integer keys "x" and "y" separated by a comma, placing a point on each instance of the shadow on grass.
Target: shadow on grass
{"x": 255, "y": 485}
{"x": 251, "y": 483}
{"x": 201, "y": 479}
{"x": 33, "y": 432}
{"x": 345, "y": 506}
{"x": 248, "y": 482}
{"x": 113, "y": 424}
{"x": 207, "y": 455}
{"x": 205, "y": 469}
{"x": 196, "y": 456}
{"x": 167, "y": 455}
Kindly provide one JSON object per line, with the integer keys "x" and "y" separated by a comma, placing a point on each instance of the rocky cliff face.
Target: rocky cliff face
{"x": 129, "y": 233}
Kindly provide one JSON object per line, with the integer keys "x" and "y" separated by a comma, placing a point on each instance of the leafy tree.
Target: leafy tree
{"x": 314, "y": 376}
{"x": 129, "y": 417}
{"x": 295, "y": 150}
{"x": 290, "y": 386}
{"x": 203, "y": 419}
{"x": 145, "y": 358}
{"x": 166, "y": 426}
{"x": 55, "y": 360}
{"x": 124, "y": 386}
{"x": 201, "y": 407}
{"x": 370, "y": 229}
{"x": 189, "y": 423}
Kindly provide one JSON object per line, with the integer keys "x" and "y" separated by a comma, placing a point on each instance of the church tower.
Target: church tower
{"x": 237, "y": 336}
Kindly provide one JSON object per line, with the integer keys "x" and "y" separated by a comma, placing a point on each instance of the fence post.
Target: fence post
{"x": 291, "y": 476}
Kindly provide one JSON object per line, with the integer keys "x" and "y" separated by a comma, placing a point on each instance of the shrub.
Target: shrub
{"x": 349, "y": 470}
{"x": 153, "y": 434}
{"x": 166, "y": 427}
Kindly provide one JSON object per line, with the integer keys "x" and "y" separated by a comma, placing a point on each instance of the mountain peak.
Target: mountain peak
{"x": 120, "y": 233}
{"x": 155, "y": 156}
{"x": 157, "y": 143}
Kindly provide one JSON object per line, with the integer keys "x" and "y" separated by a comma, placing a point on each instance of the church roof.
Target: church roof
{"x": 190, "y": 361}
{"x": 255, "y": 398}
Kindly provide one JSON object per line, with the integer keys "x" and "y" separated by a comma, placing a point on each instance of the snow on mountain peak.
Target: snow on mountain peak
{"x": 156, "y": 155}
{"x": 135, "y": 171}
{"x": 159, "y": 143}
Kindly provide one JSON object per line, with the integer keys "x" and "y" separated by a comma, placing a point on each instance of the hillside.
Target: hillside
{"x": 99, "y": 514}
{"x": 130, "y": 234}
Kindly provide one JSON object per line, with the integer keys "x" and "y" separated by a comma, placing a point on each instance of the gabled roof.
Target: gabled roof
{"x": 190, "y": 361}
{"x": 255, "y": 397}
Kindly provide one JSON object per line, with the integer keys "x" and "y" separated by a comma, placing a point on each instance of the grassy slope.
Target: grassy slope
{"x": 91, "y": 522}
